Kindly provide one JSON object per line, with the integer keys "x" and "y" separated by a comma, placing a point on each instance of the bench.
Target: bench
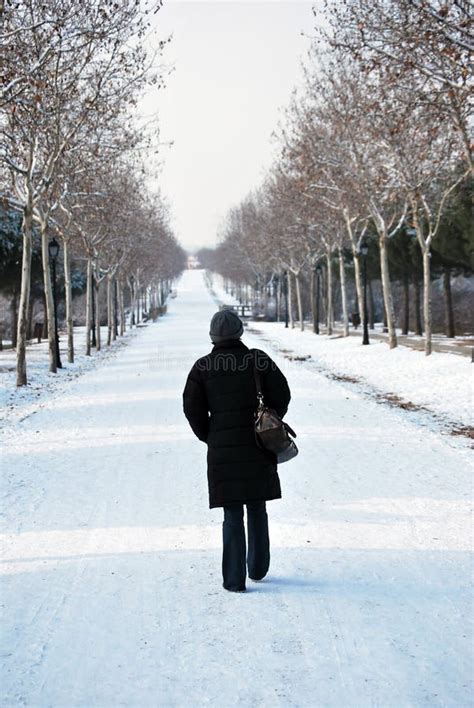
{"x": 243, "y": 311}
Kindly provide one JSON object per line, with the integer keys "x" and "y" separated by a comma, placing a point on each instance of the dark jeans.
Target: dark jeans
{"x": 233, "y": 532}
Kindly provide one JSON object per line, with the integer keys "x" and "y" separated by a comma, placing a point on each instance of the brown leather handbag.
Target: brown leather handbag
{"x": 271, "y": 432}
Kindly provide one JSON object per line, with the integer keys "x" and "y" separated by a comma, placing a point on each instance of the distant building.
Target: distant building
{"x": 193, "y": 262}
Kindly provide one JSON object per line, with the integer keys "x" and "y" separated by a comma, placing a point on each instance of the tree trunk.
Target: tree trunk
{"x": 324, "y": 291}
{"x": 450, "y": 329}
{"x": 48, "y": 290}
{"x": 115, "y": 311}
{"x": 299, "y": 301}
{"x": 290, "y": 301}
{"x": 94, "y": 310}
{"x": 329, "y": 310}
{"x": 427, "y": 300}
{"x": 68, "y": 292}
{"x": 132, "y": 303}
{"x": 264, "y": 301}
{"x": 387, "y": 291}
{"x": 416, "y": 286}
{"x": 406, "y": 304}
{"x": 27, "y": 228}
{"x": 312, "y": 291}
{"x": 278, "y": 301}
{"x": 44, "y": 333}
{"x": 89, "y": 286}
{"x": 110, "y": 323}
{"x": 121, "y": 308}
{"x": 342, "y": 276}
{"x": 98, "y": 338}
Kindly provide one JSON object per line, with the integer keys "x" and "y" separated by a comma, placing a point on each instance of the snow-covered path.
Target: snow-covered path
{"x": 111, "y": 593}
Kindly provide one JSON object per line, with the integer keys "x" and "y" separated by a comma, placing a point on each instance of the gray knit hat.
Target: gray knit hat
{"x": 225, "y": 324}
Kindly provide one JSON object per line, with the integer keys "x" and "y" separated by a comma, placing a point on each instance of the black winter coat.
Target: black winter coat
{"x": 219, "y": 401}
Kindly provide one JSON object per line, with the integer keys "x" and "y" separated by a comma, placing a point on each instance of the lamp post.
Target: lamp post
{"x": 285, "y": 292}
{"x": 53, "y": 250}
{"x": 317, "y": 270}
{"x": 364, "y": 249}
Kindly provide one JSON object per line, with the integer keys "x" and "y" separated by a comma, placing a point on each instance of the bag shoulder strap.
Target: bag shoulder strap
{"x": 257, "y": 378}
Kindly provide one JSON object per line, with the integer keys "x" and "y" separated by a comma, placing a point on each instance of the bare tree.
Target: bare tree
{"x": 50, "y": 93}
{"x": 421, "y": 45}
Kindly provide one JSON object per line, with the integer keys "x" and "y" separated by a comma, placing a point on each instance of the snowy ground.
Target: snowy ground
{"x": 18, "y": 403}
{"x": 442, "y": 383}
{"x": 111, "y": 593}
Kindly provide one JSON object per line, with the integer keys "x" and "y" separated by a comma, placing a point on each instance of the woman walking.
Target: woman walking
{"x": 219, "y": 401}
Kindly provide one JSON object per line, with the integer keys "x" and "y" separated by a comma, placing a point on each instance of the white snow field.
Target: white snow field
{"x": 443, "y": 382}
{"x": 112, "y": 591}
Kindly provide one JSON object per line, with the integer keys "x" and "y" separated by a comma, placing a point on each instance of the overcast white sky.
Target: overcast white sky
{"x": 236, "y": 64}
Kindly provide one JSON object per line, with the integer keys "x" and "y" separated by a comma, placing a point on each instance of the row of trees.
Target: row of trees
{"x": 75, "y": 156}
{"x": 374, "y": 149}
